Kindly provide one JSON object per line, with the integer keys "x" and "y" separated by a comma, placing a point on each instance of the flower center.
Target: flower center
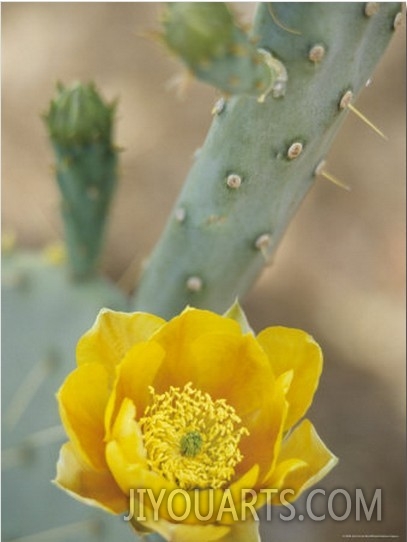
{"x": 191, "y": 439}
{"x": 191, "y": 444}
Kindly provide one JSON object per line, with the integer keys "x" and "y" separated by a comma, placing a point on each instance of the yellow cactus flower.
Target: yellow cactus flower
{"x": 189, "y": 425}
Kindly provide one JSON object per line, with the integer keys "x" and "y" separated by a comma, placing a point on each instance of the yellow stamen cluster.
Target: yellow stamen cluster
{"x": 191, "y": 439}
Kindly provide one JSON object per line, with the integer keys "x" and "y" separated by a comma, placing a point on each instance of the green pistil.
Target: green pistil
{"x": 191, "y": 444}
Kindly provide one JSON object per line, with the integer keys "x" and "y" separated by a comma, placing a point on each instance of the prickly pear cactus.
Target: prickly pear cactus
{"x": 261, "y": 156}
{"x": 80, "y": 126}
{"x": 215, "y": 49}
{"x": 44, "y": 314}
{"x": 47, "y": 305}
{"x": 289, "y": 83}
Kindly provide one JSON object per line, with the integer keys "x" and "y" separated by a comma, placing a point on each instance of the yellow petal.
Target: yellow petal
{"x": 226, "y": 366}
{"x": 238, "y": 494}
{"x": 293, "y": 349}
{"x": 283, "y": 470}
{"x": 128, "y": 435}
{"x": 177, "y": 336}
{"x": 180, "y": 532}
{"x": 230, "y": 367}
{"x": 96, "y": 488}
{"x": 279, "y": 474}
{"x": 264, "y": 442}
{"x": 305, "y": 460}
{"x": 247, "y": 481}
{"x": 82, "y": 401}
{"x": 134, "y": 376}
{"x": 132, "y": 476}
{"x": 113, "y": 334}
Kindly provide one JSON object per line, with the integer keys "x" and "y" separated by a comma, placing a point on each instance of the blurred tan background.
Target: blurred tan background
{"x": 339, "y": 273}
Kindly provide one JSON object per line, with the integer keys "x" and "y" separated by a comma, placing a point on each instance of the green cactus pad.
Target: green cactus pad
{"x": 43, "y": 317}
{"x": 205, "y": 36}
{"x": 260, "y": 159}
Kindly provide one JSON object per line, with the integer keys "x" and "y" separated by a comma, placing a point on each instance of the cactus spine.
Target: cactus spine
{"x": 80, "y": 128}
{"x": 260, "y": 159}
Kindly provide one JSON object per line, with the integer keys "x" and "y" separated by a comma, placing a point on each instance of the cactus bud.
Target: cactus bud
{"x": 80, "y": 127}
{"x": 78, "y": 116}
{"x": 208, "y": 40}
